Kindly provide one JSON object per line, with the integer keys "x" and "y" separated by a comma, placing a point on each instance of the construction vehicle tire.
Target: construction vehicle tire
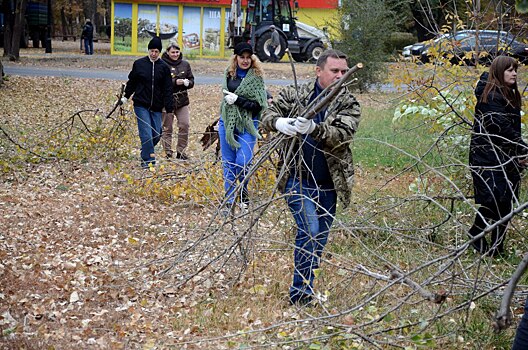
{"x": 314, "y": 51}
{"x": 261, "y": 48}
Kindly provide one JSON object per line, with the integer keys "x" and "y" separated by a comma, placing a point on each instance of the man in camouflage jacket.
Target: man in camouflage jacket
{"x": 320, "y": 168}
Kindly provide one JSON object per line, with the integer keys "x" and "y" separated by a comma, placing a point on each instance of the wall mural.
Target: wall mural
{"x": 123, "y": 27}
{"x": 168, "y": 26}
{"x": 199, "y": 32}
{"x": 211, "y": 32}
{"x": 147, "y": 17}
{"x": 191, "y": 29}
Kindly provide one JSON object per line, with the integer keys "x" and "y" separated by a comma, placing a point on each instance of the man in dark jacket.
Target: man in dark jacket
{"x": 150, "y": 82}
{"x": 87, "y": 36}
{"x": 322, "y": 170}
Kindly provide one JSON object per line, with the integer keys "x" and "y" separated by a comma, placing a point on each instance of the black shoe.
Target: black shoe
{"x": 480, "y": 245}
{"x": 497, "y": 250}
{"x": 181, "y": 156}
{"x": 304, "y": 301}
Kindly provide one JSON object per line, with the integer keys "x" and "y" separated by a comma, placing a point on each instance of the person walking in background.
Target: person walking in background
{"x": 321, "y": 170}
{"x": 151, "y": 84}
{"x": 497, "y": 152}
{"x": 274, "y": 43}
{"x": 244, "y": 98}
{"x": 182, "y": 80}
{"x": 87, "y": 36}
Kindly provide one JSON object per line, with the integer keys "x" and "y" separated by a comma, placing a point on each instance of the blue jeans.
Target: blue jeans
{"x": 149, "y": 127}
{"x": 235, "y": 161}
{"x": 313, "y": 209}
{"x": 521, "y": 336}
{"x": 88, "y": 46}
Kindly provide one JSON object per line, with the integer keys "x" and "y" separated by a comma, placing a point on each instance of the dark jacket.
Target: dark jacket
{"x": 151, "y": 84}
{"x": 179, "y": 69}
{"x": 334, "y": 134}
{"x": 496, "y": 144}
{"x": 87, "y": 32}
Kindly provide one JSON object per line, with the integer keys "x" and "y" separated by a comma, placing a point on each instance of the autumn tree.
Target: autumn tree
{"x": 364, "y": 31}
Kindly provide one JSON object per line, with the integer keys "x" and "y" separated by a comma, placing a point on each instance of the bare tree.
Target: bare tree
{"x": 13, "y": 29}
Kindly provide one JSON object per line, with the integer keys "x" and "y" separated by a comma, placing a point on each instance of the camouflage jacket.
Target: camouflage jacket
{"x": 335, "y": 133}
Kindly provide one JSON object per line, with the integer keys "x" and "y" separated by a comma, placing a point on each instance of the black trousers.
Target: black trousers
{"x": 521, "y": 336}
{"x": 491, "y": 213}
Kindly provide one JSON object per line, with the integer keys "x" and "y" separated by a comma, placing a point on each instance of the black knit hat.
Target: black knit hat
{"x": 242, "y": 47}
{"x": 155, "y": 43}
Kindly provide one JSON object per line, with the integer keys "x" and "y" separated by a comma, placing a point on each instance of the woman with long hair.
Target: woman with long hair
{"x": 244, "y": 99}
{"x": 497, "y": 152}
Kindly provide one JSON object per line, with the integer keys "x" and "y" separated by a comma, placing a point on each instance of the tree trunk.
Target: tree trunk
{"x": 64, "y": 24}
{"x": 13, "y": 30}
{"x": 8, "y": 25}
{"x": 1, "y": 73}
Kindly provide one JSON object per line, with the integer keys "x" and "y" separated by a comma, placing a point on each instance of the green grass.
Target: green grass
{"x": 381, "y": 143}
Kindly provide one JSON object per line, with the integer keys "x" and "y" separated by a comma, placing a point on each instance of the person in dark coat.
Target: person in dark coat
{"x": 182, "y": 80}
{"x": 497, "y": 153}
{"x": 150, "y": 82}
{"x": 87, "y": 36}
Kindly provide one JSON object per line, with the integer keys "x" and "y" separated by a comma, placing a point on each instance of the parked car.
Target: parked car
{"x": 489, "y": 46}
{"x": 464, "y": 41}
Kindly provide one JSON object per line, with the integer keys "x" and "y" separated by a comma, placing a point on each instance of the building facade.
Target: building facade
{"x": 198, "y": 26}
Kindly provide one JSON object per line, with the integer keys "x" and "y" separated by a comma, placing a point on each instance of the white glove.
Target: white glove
{"x": 186, "y": 82}
{"x": 230, "y": 97}
{"x": 286, "y": 126}
{"x": 304, "y": 126}
{"x": 123, "y": 100}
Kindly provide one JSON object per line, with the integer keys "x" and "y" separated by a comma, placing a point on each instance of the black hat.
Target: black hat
{"x": 155, "y": 43}
{"x": 240, "y": 48}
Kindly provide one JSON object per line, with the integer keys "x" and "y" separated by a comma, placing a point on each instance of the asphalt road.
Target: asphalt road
{"x": 122, "y": 75}
{"x": 107, "y": 74}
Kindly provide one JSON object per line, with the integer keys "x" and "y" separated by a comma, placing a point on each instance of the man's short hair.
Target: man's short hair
{"x": 321, "y": 61}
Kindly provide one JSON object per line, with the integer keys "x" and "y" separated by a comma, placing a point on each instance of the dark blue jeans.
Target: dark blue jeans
{"x": 521, "y": 336}
{"x": 149, "y": 128}
{"x": 313, "y": 209}
{"x": 88, "y": 46}
{"x": 235, "y": 161}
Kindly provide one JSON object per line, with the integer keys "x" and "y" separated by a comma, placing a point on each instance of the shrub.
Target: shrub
{"x": 363, "y": 29}
{"x": 398, "y": 40}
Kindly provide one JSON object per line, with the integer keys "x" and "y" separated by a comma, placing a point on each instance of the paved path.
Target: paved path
{"x": 107, "y": 74}
{"x": 120, "y": 75}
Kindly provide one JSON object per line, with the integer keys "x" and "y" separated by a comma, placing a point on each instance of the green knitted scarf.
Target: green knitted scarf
{"x": 252, "y": 88}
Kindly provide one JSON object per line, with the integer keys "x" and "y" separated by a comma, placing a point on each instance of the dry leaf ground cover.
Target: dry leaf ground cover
{"x": 88, "y": 240}
{"x": 96, "y": 253}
